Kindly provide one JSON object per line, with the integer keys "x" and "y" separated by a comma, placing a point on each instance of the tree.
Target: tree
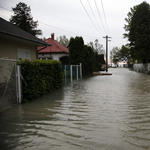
{"x": 121, "y": 54}
{"x": 76, "y": 50}
{"x": 138, "y": 32}
{"x": 88, "y": 65}
{"x": 22, "y": 19}
{"x": 80, "y": 53}
{"x": 114, "y": 55}
{"x": 97, "y": 47}
{"x": 63, "y": 40}
{"x": 124, "y": 54}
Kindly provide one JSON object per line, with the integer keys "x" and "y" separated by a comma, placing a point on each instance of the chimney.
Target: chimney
{"x": 52, "y": 36}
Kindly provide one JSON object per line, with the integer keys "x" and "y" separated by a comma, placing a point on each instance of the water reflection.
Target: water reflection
{"x": 102, "y": 112}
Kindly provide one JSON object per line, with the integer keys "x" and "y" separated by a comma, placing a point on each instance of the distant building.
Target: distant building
{"x": 16, "y": 43}
{"x": 56, "y": 51}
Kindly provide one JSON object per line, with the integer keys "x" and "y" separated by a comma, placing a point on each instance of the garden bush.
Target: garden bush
{"x": 40, "y": 77}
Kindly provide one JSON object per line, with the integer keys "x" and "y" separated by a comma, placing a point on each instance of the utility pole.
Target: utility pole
{"x": 106, "y": 52}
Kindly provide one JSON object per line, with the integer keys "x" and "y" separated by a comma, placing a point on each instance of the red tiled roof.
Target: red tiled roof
{"x": 55, "y": 48}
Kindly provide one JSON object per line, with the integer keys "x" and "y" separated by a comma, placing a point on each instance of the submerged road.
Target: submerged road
{"x": 96, "y": 113}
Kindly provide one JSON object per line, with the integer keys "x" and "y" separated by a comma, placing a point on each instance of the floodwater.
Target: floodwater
{"x": 96, "y": 113}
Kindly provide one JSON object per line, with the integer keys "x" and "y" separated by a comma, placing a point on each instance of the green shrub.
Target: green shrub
{"x": 40, "y": 77}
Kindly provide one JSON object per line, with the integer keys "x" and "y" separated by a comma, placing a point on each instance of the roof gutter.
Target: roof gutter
{"x": 42, "y": 49}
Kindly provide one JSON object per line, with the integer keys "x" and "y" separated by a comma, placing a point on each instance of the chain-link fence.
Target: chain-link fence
{"x": 8, "y": 95}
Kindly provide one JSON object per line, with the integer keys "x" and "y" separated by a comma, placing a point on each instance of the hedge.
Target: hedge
{"x": 40, "y": 77}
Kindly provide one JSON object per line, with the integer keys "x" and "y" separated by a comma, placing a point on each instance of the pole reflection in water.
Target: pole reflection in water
{"x": 97, "y": 113}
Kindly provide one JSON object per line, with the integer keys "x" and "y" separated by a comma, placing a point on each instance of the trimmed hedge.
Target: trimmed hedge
{"x": 40, "y": 77}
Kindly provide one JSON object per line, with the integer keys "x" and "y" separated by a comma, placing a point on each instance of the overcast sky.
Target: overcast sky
{"x": 91, "y": 19}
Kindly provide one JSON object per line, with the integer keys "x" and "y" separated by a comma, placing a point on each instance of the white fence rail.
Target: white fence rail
{"x": 19, "y": 85}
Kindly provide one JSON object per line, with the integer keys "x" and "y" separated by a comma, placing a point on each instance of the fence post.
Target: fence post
{"x": 77, "y": 72}
{"x": 65, "y": 74}
{"x": 71, "y": 72}
{"x": 18, "y": 85}
{"x": 81, "y": 70}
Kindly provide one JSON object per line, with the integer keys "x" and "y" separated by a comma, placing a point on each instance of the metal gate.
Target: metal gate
{"x": 8, "y": 83}
{"x": 72, "y": 73}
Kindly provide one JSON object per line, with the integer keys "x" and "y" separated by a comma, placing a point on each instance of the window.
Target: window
{"x": 23, "y": 53}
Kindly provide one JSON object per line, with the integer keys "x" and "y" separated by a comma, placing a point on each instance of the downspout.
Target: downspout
{"x": 42, "y": 49}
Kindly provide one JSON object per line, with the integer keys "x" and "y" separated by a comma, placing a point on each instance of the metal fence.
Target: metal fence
{"x": 72, "y": 73}
{"x": 8, "y": 81}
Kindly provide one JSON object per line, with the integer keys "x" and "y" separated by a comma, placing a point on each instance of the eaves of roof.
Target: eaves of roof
{"x": 25, "y": 38}
{"x": 9, "y": 29}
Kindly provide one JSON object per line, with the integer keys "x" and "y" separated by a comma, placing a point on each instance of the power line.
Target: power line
{"x": 89, "y": 16}
{"x": 99, "y": 15}
{"x": 65, "y": 30}
{"x": 94, "y": 14}
{"x": 104, "y": 15}
{"x": 6, "y": 9}
{"x": 56, "y": 27}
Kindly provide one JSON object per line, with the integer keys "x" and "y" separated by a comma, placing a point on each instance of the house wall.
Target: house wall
{"x": 58, "y": 56}
{"x": 55, "y": 56}
{"x": 9, "y": 48}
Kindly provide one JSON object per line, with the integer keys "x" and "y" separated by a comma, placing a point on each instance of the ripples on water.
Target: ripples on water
{"x": 97, "y": 113}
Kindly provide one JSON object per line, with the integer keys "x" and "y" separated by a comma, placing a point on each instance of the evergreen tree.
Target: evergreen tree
{"x": 80, "y": 53}
{"x": 138, "y": 32}
{"x": 76, "y": 50}
{"x": 22, "y": 19}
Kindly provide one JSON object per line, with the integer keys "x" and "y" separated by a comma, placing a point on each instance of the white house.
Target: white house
{"x": 56, "y": 51}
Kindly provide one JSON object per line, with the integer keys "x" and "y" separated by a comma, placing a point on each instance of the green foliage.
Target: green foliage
{"x": 121, "y": 54}
{"x": 88, "y": 66}
{"x": 80, "y": 53}
{"x": 124, "y": 54}
{"x": 40, "y": 77}
{"x": 22, "y": 19}
{"x": 76, "y": 50}
{"x": 114, "y": 55}
{"x": 138, "y": 32}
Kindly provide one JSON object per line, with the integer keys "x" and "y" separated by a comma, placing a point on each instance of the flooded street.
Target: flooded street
{"x": 96, "y": 113}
